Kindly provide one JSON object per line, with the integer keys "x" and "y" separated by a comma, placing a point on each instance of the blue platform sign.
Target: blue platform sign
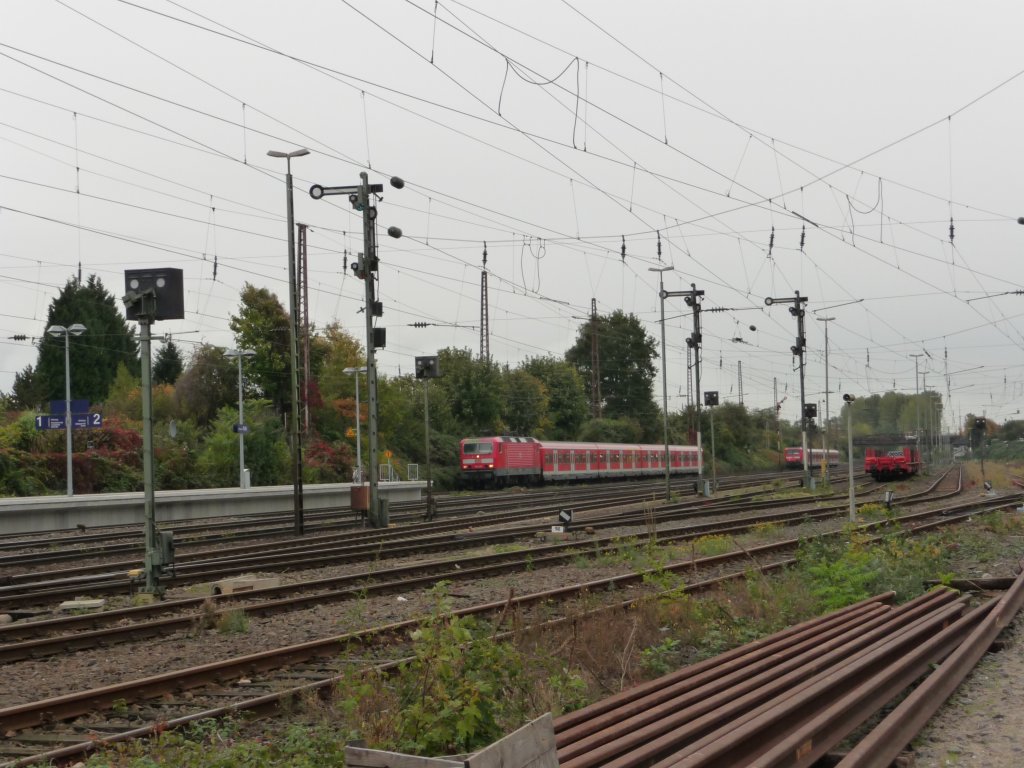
{"x": 78, "y": 407}
{"x": 78, "y": 421}
{"x": 240, "y": 428}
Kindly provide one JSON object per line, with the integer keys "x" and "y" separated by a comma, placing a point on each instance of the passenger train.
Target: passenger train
{"x": 501, "y": 461}
{"x": 794, "y": 457}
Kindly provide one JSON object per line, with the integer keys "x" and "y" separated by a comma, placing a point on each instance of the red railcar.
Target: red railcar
{"x": 794, "y": 457}
{"x": 894, "y": 464}
{"x": 499, "y": 461}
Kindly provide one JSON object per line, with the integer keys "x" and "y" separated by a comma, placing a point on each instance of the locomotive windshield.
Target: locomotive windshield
{"x": 478, "y": 448}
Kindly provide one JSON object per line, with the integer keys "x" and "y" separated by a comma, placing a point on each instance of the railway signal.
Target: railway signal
{"x": 361, "y": 196}
{"x": 427, "y": 368}
{"x": 150, "y": 295}
{"x": 798, "y": 350}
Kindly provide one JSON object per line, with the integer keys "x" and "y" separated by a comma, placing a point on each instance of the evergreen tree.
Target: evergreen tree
{"x": 95, "y": 355}
{"x": 168, "y": 364}
{"x": 27, "y": 392}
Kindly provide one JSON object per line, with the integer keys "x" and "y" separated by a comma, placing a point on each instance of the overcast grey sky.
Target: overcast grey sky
{"x": 135, "y": 133}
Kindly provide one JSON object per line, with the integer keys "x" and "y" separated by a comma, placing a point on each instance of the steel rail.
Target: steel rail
{"x": 907, "y": 719}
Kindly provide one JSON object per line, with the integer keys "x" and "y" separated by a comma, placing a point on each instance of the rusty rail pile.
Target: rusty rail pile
{"x": 791, "y": 698}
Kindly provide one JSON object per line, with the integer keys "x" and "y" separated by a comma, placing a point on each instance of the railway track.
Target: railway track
{"x": 37, "y": 588}
{"x": 110, "y": 698}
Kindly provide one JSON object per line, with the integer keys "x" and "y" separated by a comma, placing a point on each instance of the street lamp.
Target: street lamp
{"x": 358, "y": 475}
{"x": 293, "y": 333}
{"x": 849, "y": 453}
{"x": 664, "y": 376}
{"x": 240, "y": 428}
{"x": 57, "y": 331}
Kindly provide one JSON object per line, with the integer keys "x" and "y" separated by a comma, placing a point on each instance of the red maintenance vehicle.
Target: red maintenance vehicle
{"x": 793, "y": 458}
{"x": 892, "y": 463}
{"x": 495, "y": 462}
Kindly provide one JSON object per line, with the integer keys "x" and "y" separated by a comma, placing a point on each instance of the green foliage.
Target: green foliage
{"x": 94, "y": 356}
{"x": 267, "y": 455}
{"x": 233, "y": 622}
{"x": 262, "y": 325}
{"x": 844, "y": 571}
{"x": 221, "y": 744}
{"x": 209, "y": 383}
{"x": 525, "y": 406}
{"x": 471, "y": 391}
{"x": 168, "y": 365}
{"x": 22, "y": 474}
{"x": 460, "y": 686}
{"x": 627, "y": 369}
{"x": 568, "y": 405}
{"x": 611, "y": 431}
{"x": 660, "y": 659}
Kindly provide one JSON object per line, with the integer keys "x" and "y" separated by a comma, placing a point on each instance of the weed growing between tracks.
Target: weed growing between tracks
{"x": 466, "y": 684}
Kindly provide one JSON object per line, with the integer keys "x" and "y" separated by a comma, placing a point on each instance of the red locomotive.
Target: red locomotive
{"x": 894, "y": 464}
{"x": 500, "y": 461}
{"x": 794, "y": 457}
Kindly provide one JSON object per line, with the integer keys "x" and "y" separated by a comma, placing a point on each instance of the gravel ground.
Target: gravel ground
{"x": 983, "y": 725}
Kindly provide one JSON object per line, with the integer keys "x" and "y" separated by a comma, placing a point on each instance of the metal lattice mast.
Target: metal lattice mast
{"x": 739, "y": 376}
{"x": 595, "y": 364}
{"x": 304, "y": 293}
{"x": 485, "y": 314}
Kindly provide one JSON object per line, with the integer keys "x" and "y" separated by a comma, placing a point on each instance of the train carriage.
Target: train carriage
{"x": 500, "y": 461}
{"x": 793, "y": 457}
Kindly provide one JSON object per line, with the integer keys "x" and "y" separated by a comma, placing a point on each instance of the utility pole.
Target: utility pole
{"x": 595, "y": 364}
{"x": 798, "y": 349}
{"x": 917, "y": 406}
{"x": 664, "y": 377}
{"x": 366, "y": 268}
{"x": 485, "y": 314}
{"x": 304, "y": 293}
{"x": 828, "y": 416}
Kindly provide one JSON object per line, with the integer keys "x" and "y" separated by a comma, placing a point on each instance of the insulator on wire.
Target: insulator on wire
{"x": 771, "y": 241}
{"x": 951, "y": 230}
{"x": 659, "y": 245}
{"x": 803, "y": 236}
{"x": 623, "y": 248}
{"x": 485, "y": 254}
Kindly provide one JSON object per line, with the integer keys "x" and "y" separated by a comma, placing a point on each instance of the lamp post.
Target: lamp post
{"x": 293, "y": 333}
{"x": 366, "y": 268}
{"x": 849, "y": 453}
{"x": 664, "y": 376}
{"x": 358, "y": 478}
{"x": 240, "y": 427}
{"x": 57, "y": 331}
{"x": 826, "y": 321}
